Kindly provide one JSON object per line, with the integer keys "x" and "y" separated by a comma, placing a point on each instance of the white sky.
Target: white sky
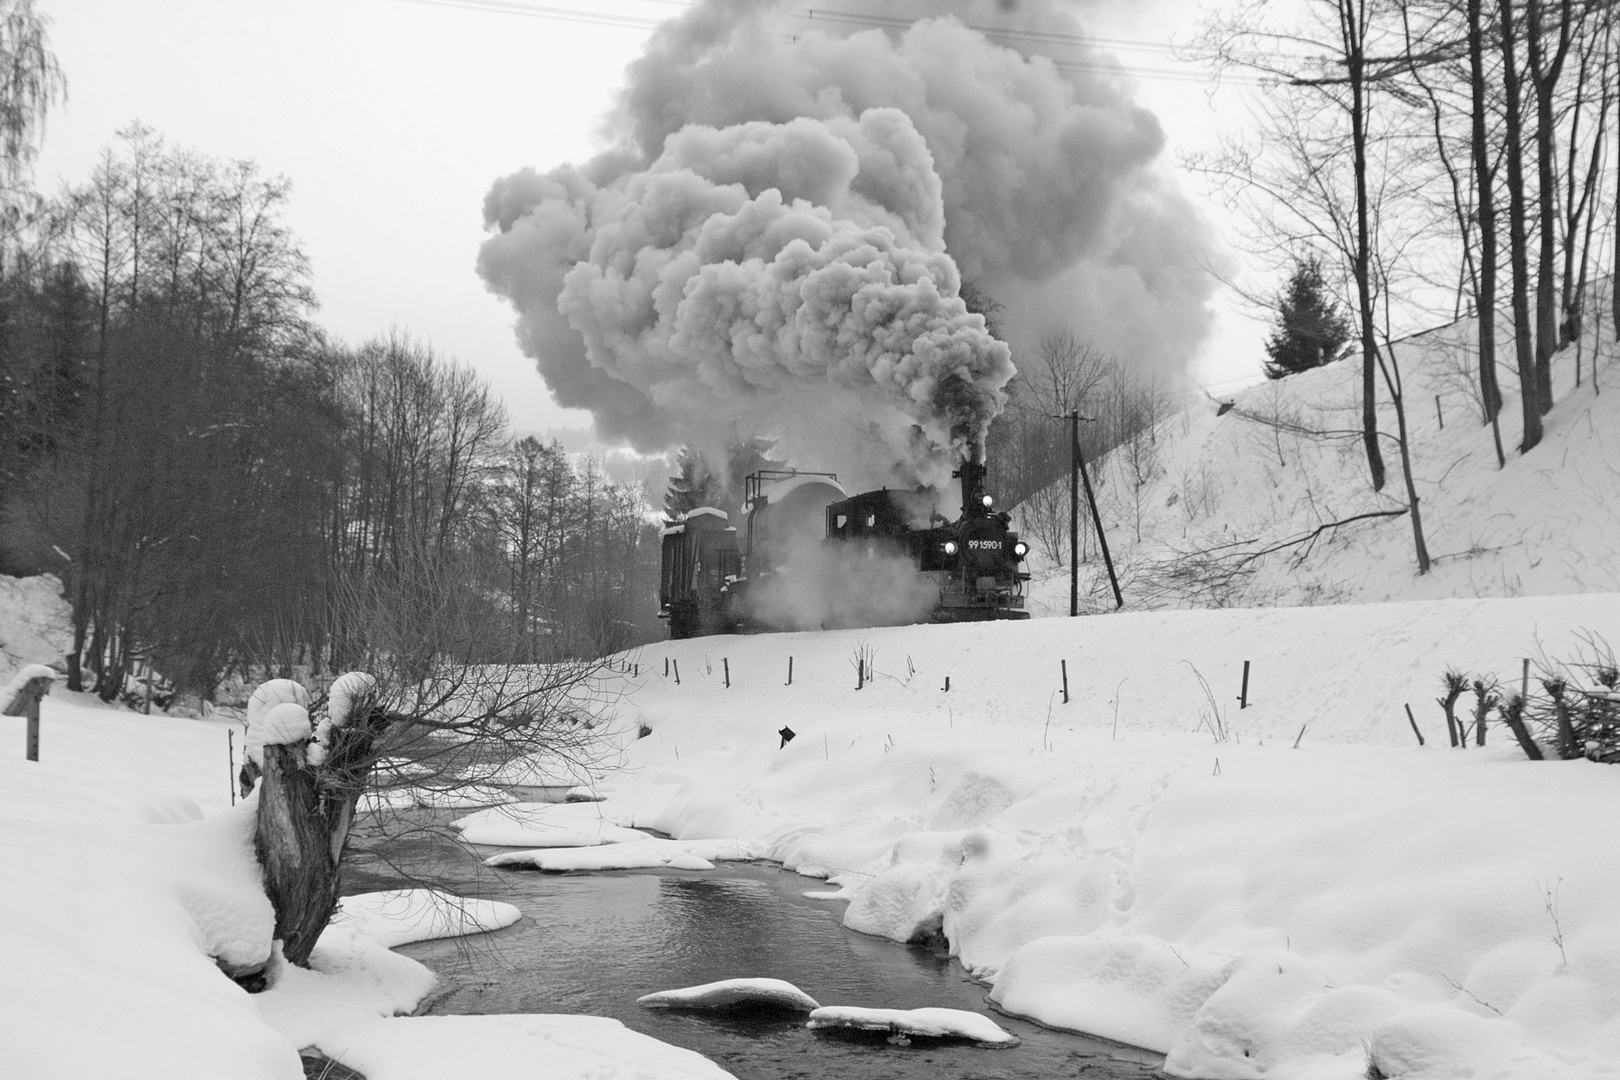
{"x": 392, "y": 118}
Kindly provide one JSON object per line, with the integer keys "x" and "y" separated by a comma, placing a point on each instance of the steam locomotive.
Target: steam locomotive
{"x": 812, "y": 556}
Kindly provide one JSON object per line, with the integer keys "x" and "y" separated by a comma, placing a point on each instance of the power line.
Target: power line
{"x": 538, "y": 11}
{"x": 639, "y": 22}
{"x": 1050, "y": 37}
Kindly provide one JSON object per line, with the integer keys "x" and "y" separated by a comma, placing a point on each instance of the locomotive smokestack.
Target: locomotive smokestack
{"x": 972, "y": 477}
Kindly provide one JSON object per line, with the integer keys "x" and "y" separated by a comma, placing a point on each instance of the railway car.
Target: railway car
{"x": 699, "y": 558}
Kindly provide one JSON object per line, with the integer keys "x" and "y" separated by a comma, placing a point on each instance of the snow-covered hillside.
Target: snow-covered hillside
{"x": 1287, "y": 459}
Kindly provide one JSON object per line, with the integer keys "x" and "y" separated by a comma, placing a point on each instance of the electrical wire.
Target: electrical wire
{"x": 1071, "y": 66}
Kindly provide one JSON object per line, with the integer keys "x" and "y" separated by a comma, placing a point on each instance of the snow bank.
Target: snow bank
{"x": 561, "y": 1047}
{"x": 352, "y": 978}
{"x": 637, "y": 855}
{"x": 1151, "y": 864}
{"x": 732, "y": 993}
{"x": 538, "y": 825}
{"x": 401, "y": 916}
{"x": 130, "y": 880}
{"x": 34, "y": 622}
{"x": 932, "y": 1023}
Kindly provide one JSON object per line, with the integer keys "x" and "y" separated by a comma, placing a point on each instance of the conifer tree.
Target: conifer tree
{"x": 696, "y": 483}
{"x": 690, "y": 487}
{"x": 1310, "y": 328}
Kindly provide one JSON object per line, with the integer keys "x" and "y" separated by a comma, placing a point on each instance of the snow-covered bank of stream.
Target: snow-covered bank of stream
{"x": 1148, "y": 863}
{"x": 1155, "y": 865}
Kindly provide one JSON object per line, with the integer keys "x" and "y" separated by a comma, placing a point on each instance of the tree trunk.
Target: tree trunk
{"x": 1352, "y": 32}
{"x": 1544, "y": 77}
{"x": 1485, "y": 303}
{"x": 1518, "y": 242}
{"x": 299, "y": 846}
{"x": 303, "y": 825}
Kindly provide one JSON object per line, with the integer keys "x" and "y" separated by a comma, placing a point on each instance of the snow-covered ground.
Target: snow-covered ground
{"x": 1152, "y": 863}
{"x": 1292, "y": 889}
{"x": 1286, "y": 459}
{"x": 127, "y": 879}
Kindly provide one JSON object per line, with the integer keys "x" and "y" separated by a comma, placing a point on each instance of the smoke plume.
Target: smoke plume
{"x": 825, "y": 586}
{"x": 775, "y": 241}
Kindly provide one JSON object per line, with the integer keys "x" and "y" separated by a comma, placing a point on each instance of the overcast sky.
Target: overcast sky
{"x": 392, "y": 117}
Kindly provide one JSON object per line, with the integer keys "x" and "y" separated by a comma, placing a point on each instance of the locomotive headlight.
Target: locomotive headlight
{"x": 950, "y": 547}
{"x": 1020, "y": 549}
{"x": 987, "y": 501}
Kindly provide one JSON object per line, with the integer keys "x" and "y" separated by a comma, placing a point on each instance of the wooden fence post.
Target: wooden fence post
{"x": 1410, "y": 719}
{"x": 25, "y": 703}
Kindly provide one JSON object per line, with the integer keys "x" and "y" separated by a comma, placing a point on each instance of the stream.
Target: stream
{"x": 593, "y": 943}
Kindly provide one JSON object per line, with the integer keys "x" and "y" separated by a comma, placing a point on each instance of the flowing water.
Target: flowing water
{"x": 593, "y": 943}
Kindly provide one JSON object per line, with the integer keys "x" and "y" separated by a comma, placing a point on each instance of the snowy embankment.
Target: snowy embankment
{"x": 129, "y": 881}
{"x": 1271, "y": 465}
{"x": 1152, "y": 863}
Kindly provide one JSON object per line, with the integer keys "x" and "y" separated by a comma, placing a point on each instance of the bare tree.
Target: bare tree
{"x": 1518, "y": 232}
{"x": 385, "y": 747}
{"x": 1327, "y": 172}
{"x": 1545, "y": 67}
{"x": 31, "y": 82}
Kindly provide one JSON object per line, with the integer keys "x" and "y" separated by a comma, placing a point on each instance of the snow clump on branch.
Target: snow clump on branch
{"x": 267, "y": 726}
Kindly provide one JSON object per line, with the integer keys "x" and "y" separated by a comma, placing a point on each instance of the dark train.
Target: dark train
{"x": 807, "y": 554}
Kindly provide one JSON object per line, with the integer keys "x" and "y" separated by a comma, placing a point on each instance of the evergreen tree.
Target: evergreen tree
{"x": 1310, "y": 328}
{"x": 696, "y": 483}
{"x": 690, "y": 487}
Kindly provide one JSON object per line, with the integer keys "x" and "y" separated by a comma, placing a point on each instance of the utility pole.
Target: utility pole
{"x": 1074, "y": 513}
{"x": 1078, "y": 475}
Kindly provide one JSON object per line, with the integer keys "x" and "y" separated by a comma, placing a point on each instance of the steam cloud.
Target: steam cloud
{"x": 824, "y": 586}
{"x": 771, "y": 246}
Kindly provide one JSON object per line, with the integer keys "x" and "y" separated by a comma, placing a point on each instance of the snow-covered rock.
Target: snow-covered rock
{"x": 639, "y": 855}
{"x": 733, "y": 993}
{"x": 930, "y": 1023}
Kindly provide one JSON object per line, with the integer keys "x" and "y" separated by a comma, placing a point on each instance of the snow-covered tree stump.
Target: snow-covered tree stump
{"x": 312, "y": 778}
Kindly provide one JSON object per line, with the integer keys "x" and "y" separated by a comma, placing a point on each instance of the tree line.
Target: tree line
{"x": 222, "y": 487}
{"x": 1439, "y": 158}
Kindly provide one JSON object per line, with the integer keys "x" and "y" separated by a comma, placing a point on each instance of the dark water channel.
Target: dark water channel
{"x": 593, "y": 943}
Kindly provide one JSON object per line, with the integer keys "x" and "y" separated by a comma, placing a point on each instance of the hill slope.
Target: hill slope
{"x": 1188, "y": 510}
